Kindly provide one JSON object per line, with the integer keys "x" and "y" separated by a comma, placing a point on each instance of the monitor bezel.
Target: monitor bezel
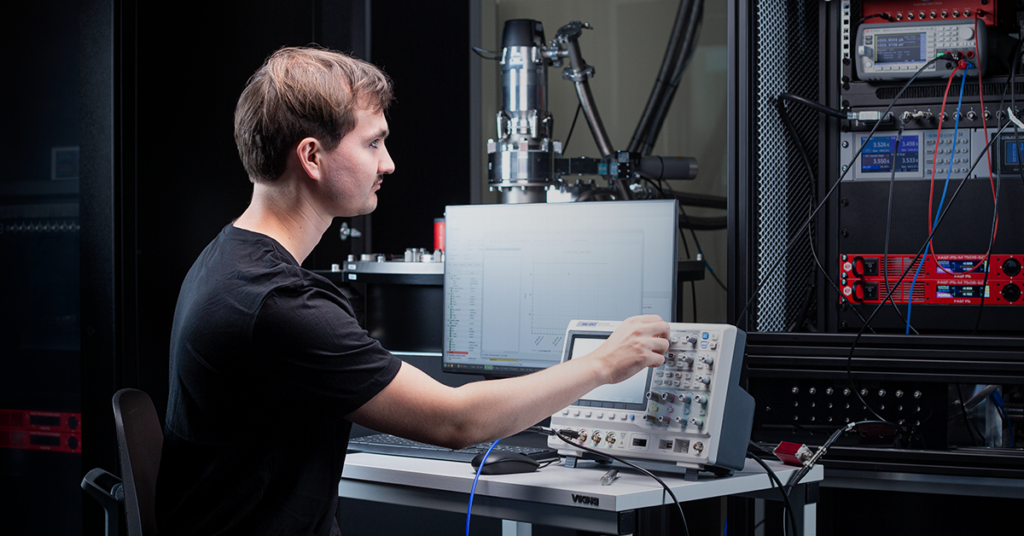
{"x": 496, "y": 372}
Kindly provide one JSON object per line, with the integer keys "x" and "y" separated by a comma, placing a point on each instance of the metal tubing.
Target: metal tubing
{"x": 604, "y": 145}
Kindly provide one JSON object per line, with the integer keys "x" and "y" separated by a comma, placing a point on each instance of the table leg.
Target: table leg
{"x": 515, "y": 528}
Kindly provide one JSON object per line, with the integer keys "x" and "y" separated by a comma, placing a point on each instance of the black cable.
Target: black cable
{"x": 823, "y": 449}
{"x": 967, "y": 418}
{"x": 885, "y": 16}
{"x": 991, "y": 241}
{"x": 812, "y": 176}
{"x": 562, "y": 436}
{"x": 917, "y": 257}
{"x": 699, "y": 250}
{"x": 1011, "y": 86}
{"x": 792, "y": 241}
{"x": 787, "y": 508}
{"x": 687, "y": 223}
{"x": 888, "y": 228}
{"x": 480, "y": 52}
{"x": 572, "y": 127}
{"x": 839, "y": 114}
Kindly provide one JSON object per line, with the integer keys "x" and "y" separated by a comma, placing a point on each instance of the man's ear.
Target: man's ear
{"x": 310, "y": 156}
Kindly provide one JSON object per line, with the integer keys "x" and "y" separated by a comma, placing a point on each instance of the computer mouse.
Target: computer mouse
{"x": 505, "y": 463}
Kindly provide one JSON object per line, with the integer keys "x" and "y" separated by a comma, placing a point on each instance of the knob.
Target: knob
{"x": 700, "y": 399}
{"x": 1011, "y": 267}
{"x": 685, "y": 398}
{"x": 971, "y": 115}
{"x": 680, "y": 420}
{"x": 652, "y": 395}
{"x": 1011, "y": 292}
{"x": 72, "y": 422}
{"x": 668, "y": 397}
{"x": 697, "y": 421}
{"x": 692, "y": 340}
{"x": 702, "y": 379}
{"x": 707, "y": 359}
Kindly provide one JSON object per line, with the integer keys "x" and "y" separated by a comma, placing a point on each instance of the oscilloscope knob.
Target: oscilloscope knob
{"x": 700, "y": 399}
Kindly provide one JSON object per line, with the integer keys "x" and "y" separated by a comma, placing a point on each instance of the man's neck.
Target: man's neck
{"x": 285, "y": 214}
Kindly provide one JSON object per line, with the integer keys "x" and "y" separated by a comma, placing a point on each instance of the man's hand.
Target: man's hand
{"x": 640, "y": 341}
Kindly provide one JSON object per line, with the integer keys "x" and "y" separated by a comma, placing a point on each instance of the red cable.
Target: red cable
{"x": 935, "y": 156}
{"x": 988, "y": 156}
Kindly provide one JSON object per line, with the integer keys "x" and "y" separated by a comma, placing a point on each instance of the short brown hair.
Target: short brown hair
{"x": 302, "y": 92}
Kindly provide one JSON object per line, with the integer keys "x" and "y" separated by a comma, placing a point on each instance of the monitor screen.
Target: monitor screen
{"x": 630, "y": 394}
{"x": 515, "y": 275}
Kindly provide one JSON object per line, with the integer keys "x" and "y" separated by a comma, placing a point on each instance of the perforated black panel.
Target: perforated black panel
{"x": 786, "y": 52}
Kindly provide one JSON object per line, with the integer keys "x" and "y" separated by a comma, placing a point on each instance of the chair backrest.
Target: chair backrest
{"x": 140, "y": 443}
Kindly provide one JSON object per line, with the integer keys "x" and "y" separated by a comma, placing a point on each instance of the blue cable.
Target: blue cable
{"x": 938, "y": 211}
{"x": 997, "y": 400}
{"x": 480, "y": 468}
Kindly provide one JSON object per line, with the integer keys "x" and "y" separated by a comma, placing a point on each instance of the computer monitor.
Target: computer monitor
{"x": 515, "y": 275}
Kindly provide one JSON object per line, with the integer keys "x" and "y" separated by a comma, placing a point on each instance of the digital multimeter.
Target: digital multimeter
{"x": 895, "y": 51}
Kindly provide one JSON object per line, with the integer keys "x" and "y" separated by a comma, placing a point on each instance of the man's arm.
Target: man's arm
{"x": 418, "y": 407}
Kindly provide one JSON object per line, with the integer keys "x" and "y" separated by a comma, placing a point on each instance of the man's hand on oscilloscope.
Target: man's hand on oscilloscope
{"x": 640, "y": 341}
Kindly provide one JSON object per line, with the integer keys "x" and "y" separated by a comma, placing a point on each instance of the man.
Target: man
{"x": 268, "y": 365}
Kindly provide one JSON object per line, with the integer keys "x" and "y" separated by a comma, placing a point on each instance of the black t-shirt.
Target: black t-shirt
{"x": 266, "y": 360}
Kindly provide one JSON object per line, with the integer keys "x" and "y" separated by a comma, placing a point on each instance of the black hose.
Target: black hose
{"x": 701, "y": 200}
{"x": 664, "y": 75}
{"x": 811, "y": 104}
{"x": 685, "y": 54}
{"x": 714, "y": 223}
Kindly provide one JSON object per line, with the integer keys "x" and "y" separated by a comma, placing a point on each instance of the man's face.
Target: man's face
{"x": 355, "y": 168}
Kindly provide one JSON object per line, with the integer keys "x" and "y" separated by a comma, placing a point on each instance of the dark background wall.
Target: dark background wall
{"x": 148, "y": 92}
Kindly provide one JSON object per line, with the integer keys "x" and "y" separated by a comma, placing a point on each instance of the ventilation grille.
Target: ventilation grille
{"x": 938, "y": 90}
{"x": 786, "y": 56}
{"x": 896, "y": 267}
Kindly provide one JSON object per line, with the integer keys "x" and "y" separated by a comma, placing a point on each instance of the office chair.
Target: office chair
{"x": 139, "y": 444}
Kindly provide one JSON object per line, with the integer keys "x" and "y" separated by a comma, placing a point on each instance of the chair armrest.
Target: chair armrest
{"x": 108, "y": 490}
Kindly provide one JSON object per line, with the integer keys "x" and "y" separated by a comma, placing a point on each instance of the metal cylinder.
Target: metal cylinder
{"x": 520, "y": 159}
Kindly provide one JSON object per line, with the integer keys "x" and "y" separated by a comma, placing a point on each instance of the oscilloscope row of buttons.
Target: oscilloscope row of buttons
{"x": 636, "y": 441}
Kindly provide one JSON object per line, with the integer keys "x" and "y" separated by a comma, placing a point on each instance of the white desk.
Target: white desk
{"x": 546, "y": 496}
